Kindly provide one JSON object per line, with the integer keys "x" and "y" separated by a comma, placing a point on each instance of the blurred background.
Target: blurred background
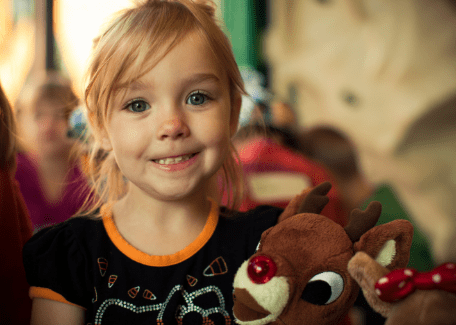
{"x": 380, "y": 73}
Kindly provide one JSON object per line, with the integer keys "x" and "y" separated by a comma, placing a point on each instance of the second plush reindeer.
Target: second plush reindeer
{"x": 405, "y": 296}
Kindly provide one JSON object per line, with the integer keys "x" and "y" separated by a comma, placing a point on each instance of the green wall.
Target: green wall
{"x": 245, "y": 21}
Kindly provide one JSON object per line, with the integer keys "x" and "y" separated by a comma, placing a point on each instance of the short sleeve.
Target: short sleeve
{"x": 55, "y": 266}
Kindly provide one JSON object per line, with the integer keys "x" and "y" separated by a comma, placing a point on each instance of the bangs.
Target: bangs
{"x": 135, "y": 43}
{"x": 136, "y": 39}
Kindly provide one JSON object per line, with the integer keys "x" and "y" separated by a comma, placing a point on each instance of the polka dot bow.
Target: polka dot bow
{"x": 400, "y": 283}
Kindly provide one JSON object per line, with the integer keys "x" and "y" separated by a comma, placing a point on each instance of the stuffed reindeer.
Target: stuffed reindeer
{"x": 405, "y": 296}
{"x": 298, "y": 275}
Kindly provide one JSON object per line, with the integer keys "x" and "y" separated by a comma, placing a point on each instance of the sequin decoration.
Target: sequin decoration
{"x": 102, "y": 265}
{"x": 149, "y": 295}
{"x": 112, "y": 279}
{"x": 133, "y": 292}
{"x": 183, "y": 310}
{"x": 191, "y": 280}
{"x": 217, "y": 267}
{"x": 96, "y": 295}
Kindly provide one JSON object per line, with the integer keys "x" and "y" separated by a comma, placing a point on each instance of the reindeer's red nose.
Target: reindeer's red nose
{"x": 261, "y": 269}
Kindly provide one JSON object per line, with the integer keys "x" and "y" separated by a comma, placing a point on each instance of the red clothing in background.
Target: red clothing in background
{"x": 15, "y": 230}
{"x": 262, "y": 156}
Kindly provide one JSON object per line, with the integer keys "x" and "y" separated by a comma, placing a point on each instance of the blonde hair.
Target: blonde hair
{"x": 133, "y": 42}
{"x": 7, "y": 134}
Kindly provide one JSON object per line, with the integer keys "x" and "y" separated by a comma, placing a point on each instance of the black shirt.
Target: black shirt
{"x": 84, "y": 261}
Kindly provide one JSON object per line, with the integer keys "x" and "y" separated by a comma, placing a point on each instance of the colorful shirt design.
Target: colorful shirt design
{"x": 86, "y": 262}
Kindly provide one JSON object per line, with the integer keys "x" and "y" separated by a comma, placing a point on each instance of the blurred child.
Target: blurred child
{"x": 15, "y": 227}
{"x": 49, "y": 175}
{"x": 275, "y": 170}
{"x": 163, "y": 101}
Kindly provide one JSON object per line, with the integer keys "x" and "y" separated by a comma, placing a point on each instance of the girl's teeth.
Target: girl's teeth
{"x": 169, "y": 161}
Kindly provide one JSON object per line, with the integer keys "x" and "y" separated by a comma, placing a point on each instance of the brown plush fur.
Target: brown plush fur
{"x": 303, "y": 245}
{"x": 422, "y": 307}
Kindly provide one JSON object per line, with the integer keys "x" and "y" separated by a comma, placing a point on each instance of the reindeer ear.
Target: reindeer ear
{"x": 364, "y": 270}
{"x": 389, "y": 243}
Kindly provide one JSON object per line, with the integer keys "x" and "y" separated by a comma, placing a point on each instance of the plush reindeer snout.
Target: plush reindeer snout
{"x": 260, "y": 293}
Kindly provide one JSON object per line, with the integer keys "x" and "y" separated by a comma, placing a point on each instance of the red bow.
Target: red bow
{"x": 400, "y": 283}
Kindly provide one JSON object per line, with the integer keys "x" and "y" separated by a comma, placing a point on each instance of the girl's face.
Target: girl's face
{"x": 171, "y": 132}
{"x": 45, "y": 128}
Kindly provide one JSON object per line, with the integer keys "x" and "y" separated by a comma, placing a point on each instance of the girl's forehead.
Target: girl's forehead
{"x": 132, "y": 78}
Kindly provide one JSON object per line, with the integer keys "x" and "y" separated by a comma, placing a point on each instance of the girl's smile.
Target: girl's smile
{"x": 178, "y": 163}
{"x": 174, "y": 160}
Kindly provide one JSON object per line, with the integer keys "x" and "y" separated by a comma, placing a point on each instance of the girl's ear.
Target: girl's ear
{"x": 235, "y": 110}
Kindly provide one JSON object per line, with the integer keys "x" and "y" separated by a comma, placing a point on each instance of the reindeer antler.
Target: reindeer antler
{"x": 316, "y": 200}
{"x": 310, "y": 201}
{"x": 361, "y": 221}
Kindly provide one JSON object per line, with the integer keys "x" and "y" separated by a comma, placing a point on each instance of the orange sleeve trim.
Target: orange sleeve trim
{"x": 164, "y": 260}
{"x": 45, "y": 293}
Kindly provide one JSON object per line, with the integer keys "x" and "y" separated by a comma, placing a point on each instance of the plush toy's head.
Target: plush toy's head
{"x": 405, "y": 296}
{"x": 298, "y": 275}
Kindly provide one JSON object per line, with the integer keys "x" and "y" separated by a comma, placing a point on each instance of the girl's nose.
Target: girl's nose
{"x": 173, "y": 129}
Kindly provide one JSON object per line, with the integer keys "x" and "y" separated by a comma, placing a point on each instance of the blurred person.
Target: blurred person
{"x": 335, "y": 150}
{"x": 275, "y": 170}
{"x": 15, "y": 227}
{"x": 49, "y": 175}
{"x": 283, "y": 116}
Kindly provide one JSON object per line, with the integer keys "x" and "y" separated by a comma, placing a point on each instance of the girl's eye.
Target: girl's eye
{"x": 197, "y": 98}
{"x": 137, "y": 106}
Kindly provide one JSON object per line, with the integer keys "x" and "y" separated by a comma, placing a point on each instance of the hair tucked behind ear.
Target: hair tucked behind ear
{"x": 7, "y": 134}
{"x": 232, "y": 179}
{"x": 107, "y": 181}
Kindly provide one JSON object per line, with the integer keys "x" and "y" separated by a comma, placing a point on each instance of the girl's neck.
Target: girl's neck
{"x": 137, "y": 205}
{"x": 160, "y": 227}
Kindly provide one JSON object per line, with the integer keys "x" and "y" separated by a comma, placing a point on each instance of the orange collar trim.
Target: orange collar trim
{"x": 160, "y": 260}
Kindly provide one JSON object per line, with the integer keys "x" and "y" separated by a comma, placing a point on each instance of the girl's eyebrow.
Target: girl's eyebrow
{"x": 200, "y": 77}
{"x": 139, "y": 85}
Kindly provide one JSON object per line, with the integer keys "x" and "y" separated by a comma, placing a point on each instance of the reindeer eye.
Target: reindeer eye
{"x": 323, "y": 288}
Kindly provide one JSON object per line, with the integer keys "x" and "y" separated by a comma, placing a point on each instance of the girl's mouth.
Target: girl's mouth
{"x": 174, "y": 160}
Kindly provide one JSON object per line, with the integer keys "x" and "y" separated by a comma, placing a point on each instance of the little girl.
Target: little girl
{"x": 163, "y": 101}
